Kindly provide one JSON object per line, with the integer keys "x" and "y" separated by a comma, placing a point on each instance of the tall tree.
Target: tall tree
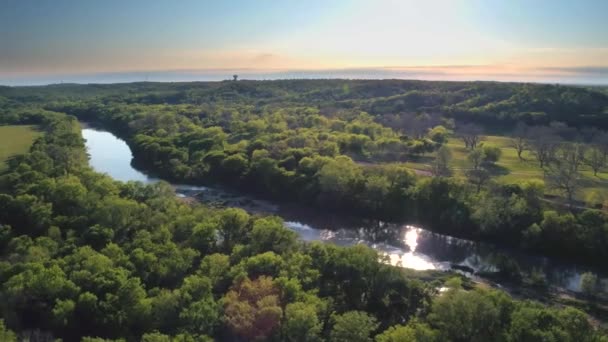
{"x": 519, "y": 139}
{"x": 478, "y": 177}
{"x": 563, "y": 177}
{"x": 441, "y": 164}
{"x": 572, "y": 153}
{"x": 475, "y": 157}
{"x": 543, "y": 144}
{"x": 595, "y": 159}
{"x": 470, "y": 134}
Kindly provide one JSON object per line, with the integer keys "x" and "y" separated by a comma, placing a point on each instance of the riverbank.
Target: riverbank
{"x": 432, "y": 251}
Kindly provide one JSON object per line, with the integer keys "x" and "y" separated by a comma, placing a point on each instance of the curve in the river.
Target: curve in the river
{"x": 404, "y": 245}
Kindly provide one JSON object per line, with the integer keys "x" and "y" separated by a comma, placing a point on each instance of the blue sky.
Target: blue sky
{"x": 486, "y": 36}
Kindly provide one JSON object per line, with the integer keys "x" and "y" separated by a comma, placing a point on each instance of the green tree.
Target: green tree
{"x": 589, "y": 284}
{"x": 201, "y": 316}
{"x": 377, "y": 188}
{"x": 232, "y": 226}
{"x": 203, "y": 235}
{"x": 269, "y": 234}
{"x": 478, "y": 315}
{"x": 32, "y": 292}
{"x": 235, "y": 166}
{"x": 491, "y": 154}
{"x": 476, "y": 158}
{"x": 301, "y": 323}
{"x": 6, "y": 334}
{"x": 532, "y": 322}
{"x": 441, "y": 164}
{"x": 596, "y": 159}
{"x": 478, "y": 177}
{"x": 339, "y": 177}
{"x": 215, "y": 267}
{"x": 353, "y": 326}
{"x": 412, "y": 332}
{"x": 438, "y": 134}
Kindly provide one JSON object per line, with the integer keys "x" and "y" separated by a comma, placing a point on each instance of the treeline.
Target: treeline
{"x": 489, "y": 103}
{"x": 87, "y": 258}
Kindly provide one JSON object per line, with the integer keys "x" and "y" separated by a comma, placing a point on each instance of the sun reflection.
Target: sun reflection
{"x": 410, "y": 259}
{"x": 411, "y": 238}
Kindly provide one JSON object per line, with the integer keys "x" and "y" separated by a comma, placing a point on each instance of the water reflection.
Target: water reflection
{"x": 108, "y": 154}
{"x": 411, "y": 259}
{"x": 404, "y": 246}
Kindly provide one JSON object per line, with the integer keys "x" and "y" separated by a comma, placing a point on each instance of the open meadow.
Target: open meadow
{"x": 510, "y": 169}
{"x": 15, "y": 140}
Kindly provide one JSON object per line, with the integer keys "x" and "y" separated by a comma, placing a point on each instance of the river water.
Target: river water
{"x": 403, "y": 245}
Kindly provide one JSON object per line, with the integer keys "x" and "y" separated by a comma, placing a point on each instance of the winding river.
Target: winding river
{"x": 404, "y": 245}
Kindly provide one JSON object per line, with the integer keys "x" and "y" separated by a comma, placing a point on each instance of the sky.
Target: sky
{"x": 543, "y": 40}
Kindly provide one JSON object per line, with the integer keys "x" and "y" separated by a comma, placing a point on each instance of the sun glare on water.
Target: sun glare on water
{"x": 410, "y": 259}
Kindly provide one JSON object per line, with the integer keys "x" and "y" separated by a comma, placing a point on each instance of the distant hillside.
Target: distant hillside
{"x": 488, "y": 103}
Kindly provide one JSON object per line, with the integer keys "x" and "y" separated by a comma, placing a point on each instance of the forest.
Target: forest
{"x": 85, "y": 257}
{"x": 349, "y": 146}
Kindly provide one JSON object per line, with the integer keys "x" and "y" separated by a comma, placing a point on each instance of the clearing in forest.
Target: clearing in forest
{"x": 15, "y": 140}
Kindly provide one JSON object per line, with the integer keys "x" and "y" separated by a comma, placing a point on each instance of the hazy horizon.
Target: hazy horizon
{"x": 545, "y": 41}
{"x": 594, "y": 76}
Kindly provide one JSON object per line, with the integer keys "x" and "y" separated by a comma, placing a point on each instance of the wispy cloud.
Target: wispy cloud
{"x": 588, "y": 70}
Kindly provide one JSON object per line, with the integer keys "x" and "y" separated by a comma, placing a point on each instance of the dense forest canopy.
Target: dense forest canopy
{"x": 86, "y": 257}
{"x": 340, "y": 144}
{"x": 491, "y": 103}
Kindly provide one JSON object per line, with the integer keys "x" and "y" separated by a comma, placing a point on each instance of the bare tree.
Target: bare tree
{"x": 596, "y": 159}
{"x": 572, "y": 153}
{"x": 415, "y": 125}
{"x": 519, "y": 140}
{"x": 470, "y": 134}
{"x": 563, "y": 176}
{"x": 441, "y": 164}
{"x": 543, "y": 144}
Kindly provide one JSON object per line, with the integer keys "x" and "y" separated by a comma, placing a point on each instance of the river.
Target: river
{"x": 404, "y": 245}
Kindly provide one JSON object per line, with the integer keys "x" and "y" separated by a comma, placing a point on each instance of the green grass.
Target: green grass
{"x": 511, "y": 169}
{"x": 15, "y": 140}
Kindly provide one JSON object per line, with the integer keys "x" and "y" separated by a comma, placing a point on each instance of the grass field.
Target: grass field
{"x": 15, "y": 140}
{"x": 510, "y": 169}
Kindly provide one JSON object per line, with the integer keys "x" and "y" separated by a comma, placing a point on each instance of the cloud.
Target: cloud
{"x": 263, "y": 58}
{"x": 583, "y": 70}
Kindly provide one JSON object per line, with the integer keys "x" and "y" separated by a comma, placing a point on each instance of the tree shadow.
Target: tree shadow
{"x": 497, "y": 170}
{"x": 421, "y": 159}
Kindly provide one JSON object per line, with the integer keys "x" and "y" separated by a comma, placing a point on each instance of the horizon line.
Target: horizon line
{"x": 580, "y": 68}
{"x": 581, "y": 75}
